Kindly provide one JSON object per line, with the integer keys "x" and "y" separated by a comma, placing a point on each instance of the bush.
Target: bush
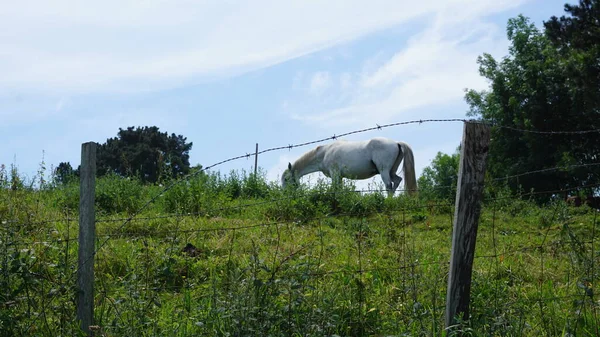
{"x": 115, "y": 194}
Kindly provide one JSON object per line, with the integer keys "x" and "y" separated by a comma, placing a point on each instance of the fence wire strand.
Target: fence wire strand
{"x": 406, "y": 265}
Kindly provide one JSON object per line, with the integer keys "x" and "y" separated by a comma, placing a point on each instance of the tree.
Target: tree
{"x": 64, "y": 173}
{"x": 145, "y": 153}
{"x": 440, "y": 178}
{"x": 531, "y": 89}
{"x": 579, "y": 31}
{"x": 577, "y": 38}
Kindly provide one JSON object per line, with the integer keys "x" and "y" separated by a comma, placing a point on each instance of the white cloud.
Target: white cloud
{"x": 431, "y": 70}
{"x": 297, "y": 81}
{"x": 114, "y": 46}
{"x": 345, "y": 81}
{"x": 62, "y": 103}
{"x": 320, "y": 82}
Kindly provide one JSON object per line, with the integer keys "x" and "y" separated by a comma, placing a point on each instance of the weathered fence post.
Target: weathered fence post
{"x": 471, "y": 172}
{"x": 256, "y": 160}
{"x": 87, "y": 237}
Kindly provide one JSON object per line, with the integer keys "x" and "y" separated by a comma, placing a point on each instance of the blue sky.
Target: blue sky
{"x": 229, "y": 74}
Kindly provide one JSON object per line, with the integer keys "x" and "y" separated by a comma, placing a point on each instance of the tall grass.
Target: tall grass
{"x": 235, "y": 255}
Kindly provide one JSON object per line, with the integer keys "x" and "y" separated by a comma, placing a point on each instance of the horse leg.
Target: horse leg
{"x": 396, "y": 180}
{"x": 381, "y": 159}
{"x": 336, "y": 178}
{"x": 387, "y": 181}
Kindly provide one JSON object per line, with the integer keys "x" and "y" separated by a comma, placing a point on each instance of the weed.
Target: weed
{"x": 305, "y": 261}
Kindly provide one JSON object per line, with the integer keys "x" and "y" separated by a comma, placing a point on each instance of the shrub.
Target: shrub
{"x": 115, "y": 194}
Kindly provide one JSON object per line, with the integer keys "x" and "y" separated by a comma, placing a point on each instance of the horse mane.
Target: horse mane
{"x": 306, "y": 158}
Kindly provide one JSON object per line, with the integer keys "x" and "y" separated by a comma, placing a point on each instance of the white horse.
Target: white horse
{"x": 357, "y": 160}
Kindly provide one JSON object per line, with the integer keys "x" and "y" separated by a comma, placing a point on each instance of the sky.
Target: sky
{"x": 230, "y": 74}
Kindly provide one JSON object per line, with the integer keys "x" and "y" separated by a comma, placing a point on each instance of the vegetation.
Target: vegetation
{"x": 439, "y": 180}
{"x": 237, "y": 256}
{"x": 141, "y": 153}
{"x": 548, "y": 82}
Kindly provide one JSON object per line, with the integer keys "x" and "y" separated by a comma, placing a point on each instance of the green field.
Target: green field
{"x": 309, "y": 262}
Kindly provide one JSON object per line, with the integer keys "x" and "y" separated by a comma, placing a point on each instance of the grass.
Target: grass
{"x": 307, "y": 262}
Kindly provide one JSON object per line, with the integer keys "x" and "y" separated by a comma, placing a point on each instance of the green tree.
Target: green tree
{"x": 64, "y": 173}
{"x": 532, "y": 89}
{"x": 577, "y": 38}
{"x": 145, "y": 153}
{"x": 438, "y": 181}
{"x": 579, "y": 31}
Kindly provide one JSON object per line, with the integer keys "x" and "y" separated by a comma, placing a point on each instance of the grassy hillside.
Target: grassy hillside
{"x": 307, "y": 262}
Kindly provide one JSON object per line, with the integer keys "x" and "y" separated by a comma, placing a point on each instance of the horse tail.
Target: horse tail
{"x": 410, "y": 179}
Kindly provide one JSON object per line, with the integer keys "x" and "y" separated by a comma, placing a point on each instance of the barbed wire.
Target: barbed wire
{"x": 556, "y": 168}
{"x": 317, "y": 217}
{"x": 166, "y": 233}
{"x": 534, "y": 193}
{"x": 213, "y": 210}
{"x": 558, "y": 132}
{"x": 360, "y": 270}
{"x": 304, "y": 219}
{"x": 173, "y": 184}
{"x": 377, "y": 127}
{"x": 247, "y": 155}
{"x": 371, "y": 190}
{"x": 533, "y": 247}
{"x": 354, "y": 271}
{"x": 208, "y": 211}
{"x": 342, "y": 192}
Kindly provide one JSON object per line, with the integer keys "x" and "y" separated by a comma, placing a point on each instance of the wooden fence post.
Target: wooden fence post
{"x": 471, "y": 172}
{"x": 87, "y": 237}
{"x": 256, "y": 160}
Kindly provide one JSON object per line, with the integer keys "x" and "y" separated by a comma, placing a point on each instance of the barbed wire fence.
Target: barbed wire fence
{"x": 257, "y": 274}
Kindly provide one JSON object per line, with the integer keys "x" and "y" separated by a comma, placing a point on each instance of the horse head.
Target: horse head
{"x": 289, "y": 176}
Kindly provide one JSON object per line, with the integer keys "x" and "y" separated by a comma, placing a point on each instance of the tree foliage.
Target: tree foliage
{"x": 577, "y": 38}
{"x": 439, "y": 180}
{"x": 64, "y": 172}
{"x": 540, "y": 86}
{"x": 145, "y": 153}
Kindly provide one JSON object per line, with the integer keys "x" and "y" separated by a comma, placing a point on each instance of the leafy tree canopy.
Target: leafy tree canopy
{"x": 145, "y": 153}
{"x": 548, "y": 82}
{"x": 64, "y": 172}
{"x": 438, "y": 181}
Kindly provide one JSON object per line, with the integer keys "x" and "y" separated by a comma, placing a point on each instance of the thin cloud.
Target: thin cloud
{"x": 61, "y": 104}
{"x": 345, "y": 81}
{"x": 62, "y": 46}
{"x": 431, "y": 70}
{"x": 320, "y": 82}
